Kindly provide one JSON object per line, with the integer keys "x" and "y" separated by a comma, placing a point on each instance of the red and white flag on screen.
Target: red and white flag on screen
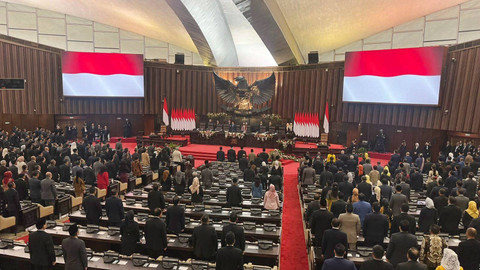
{"x": 165, "y": 112}
{"x": 102, "y": 74}
{"x": 326, "y": 118}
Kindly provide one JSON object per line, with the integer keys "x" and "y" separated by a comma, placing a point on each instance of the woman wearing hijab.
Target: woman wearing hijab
{"x": 359, "y": 173}
{"x": 431, "y": 250}
{"x": 428, "y": 216}
{"x": 470, "y": 214}
{"x": 7, "y": 178}
{"x": 179, "y": 181}
{"x": 354, "y": 197}
{"x": 449, "y": 261}
{"x": 79, "y": 184}
{"x": 276, "y": 168}
{"x": 166, "y": 181}
{"x": 130, "y": 234}
{"x": 332, "y": 196}
{"x": 257, "y": 188}
{"x": 196, "y": 190}
{"x": 271, "y": 200}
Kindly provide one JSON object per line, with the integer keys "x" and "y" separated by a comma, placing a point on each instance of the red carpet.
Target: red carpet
{"x": 380, "y": 155}
{"x": 293, "y": 250}
{"x": 314, "y": 146}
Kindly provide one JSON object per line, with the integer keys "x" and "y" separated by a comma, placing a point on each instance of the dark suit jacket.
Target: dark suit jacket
{"x": 204, "y": 240}
{"x": 450, "y": 218}
{"x": 93, "y": 209}
{"x": 13, "y": 202}
{"x": 175, "y": 218}
{"x": 338, "y": 207}
{"x": 319, "y": 223}
{"x": 155, "y": 200}
{"x": 231, "y": 155}
{"x": 242, "y": 163}
{"x": 64, "y": 172}
{"x": 114, "y": 207}
{"x": 376, "y": 265}
{"x": 330, "y": 239}
{"x": 74, "y": 253}
{"x": 22, "y": 188}
{"x": 234, "y": 196}
{"x": 398, "y": 247}
{"x": 338, "y": 263}
{"x": 89, "y": 176}
{"x": 229, "y": 258}
{"x": 311, "y": 208}
{"x": 155, "y": 234}
{"x": 366, "y": 189}
{"x": 411, "y": 266}
{"x": 239, "y": 235}
{"x": 241, "y": 153}
{"x": 35, "y": 189}
{"x": 440, "y": 202}
{"x": 468, "y": 254}
{"x": 220, "y": 155}
{"x": 40, "y": 244}
{"x": 403, "y": 216}
{"x": 375, "y": 228}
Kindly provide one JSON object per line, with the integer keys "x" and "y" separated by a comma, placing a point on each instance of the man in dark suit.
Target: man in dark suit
{"x": 21, "y": 187}
{"x": 450, "y": 217}
{"x": 13, "y": 201}
{"x": 242, "y": 163}
{"x": 156, "y": 235}
{"x": 89, "y": 175}
{"x": 471, "y": 186}
{"x": 375, "y": 226}
{"x": 40, "y": 244}
{"x": 234, "y": 194}
{"x": 263, "y": 155}
{"x": 338, "y": 207}
{"x": 403, "y": 216}
{"x": 204, "y": 240}
{"x": 93, "y": 208}
{"x": 338, "y": 262}
{"x": 377, "y": 262}
{"x": 365, "y": 188}
{"x": 312, "y": 207}
{"x": 175, "y": 217}
{"x": 325, "y": 177}
{"x": 48, "y": 190}
{"x": 331, "y": 238}
{"x": 64, "y": 172}
{"x": 400, "y": 243}
{"x": 155, "y": 198}
{"x": 74, "y": 251}
{"x": 237, "y": 230}
{"x": 220, "y": 154}
{"x": 320, "y": 221}
{"x": 412, "y": 263}
{"x": 405, "y": 188}
{"x": 416, "y": 179}
{"x": 440, "y": 201}
{"x": 468, "y": 251}
{"x": 114, "y": 208}
{"x": 395, "y": 159}
{"x": 231, "y": 155}
{"x": 35, "y": 188}
{"x": 241, "y": 153}
{"x": 229, "y": 257}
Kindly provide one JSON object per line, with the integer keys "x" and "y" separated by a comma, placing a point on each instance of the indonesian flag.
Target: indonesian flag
{"x": 174, "y": 119}
{"x": 326, "y": 125}
{"x": 102, "y": 74}
{"x": 165, "y": 112}
{"x": 401, "y": 76}
{"x": 295, "y": 123}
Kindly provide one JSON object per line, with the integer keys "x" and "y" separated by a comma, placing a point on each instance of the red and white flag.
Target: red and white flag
{"x": 102, "y": 74}
{"x": 326, "y": 124}
{"x": 165, "y": 112}
{"x": 401, "y": 76}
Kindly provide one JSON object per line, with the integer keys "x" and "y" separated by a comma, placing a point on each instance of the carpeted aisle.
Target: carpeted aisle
{"x": 293, "y": 249}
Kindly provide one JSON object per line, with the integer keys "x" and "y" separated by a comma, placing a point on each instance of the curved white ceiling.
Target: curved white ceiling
{"x": 228, "y": 37}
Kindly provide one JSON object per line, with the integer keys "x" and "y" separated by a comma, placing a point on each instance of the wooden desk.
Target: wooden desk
{"x": 28, "y": 215}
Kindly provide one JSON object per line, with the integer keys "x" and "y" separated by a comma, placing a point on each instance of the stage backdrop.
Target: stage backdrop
{"x": 299, "y": 88}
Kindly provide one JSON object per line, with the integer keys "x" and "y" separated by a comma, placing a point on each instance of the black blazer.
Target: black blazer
{"x": 40, "y": 244}
{"x": 22, "y": 188}
{"x": 338, "y": 207}
{"x": 93, "y": 209}
{"x": 440, "y": 202}
{"x": 234, "y": 196}
{"x": 114, "y": 207}
{"x": 427, "y": 218}
{"x": 155, "y": 234}
{"x": 239, "y": 235}
{"x": 398, "y": 247}
{"x": 89, "y": 176}
{"x": 64, "y": 172}
{"x": 449, "y": 219}
{"x": 175, "y": 218}
{"x": 468, "y": 254}
{"x": 411, "y": 266}
{"x": 204, "y": 240}
{"x": 155, "y": 200}
{"x": 366, "y": 189}
{"x": 13, "y": 202}
{"x": 229, "y": 258}
{"x": 231, "y": 155}
{"x": 35, "y": 189}
{"x": 130, "y": 233}
{"x": 330, "y": 239}
{"x": 242, "y": 163}
{"x": 241, "y": 153}
{"x": 376, "y": 265}
{"x": 403, "y": 216}
{"x": 319, "y": 223}
{"x": 220, "y": 155}
{"x": 375, "y": 228}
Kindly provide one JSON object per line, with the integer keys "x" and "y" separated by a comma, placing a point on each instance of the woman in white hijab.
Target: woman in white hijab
{"x": 449, "y": 261}
{"x": 428, "y": 216}
{"x": 196, "y": 191}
